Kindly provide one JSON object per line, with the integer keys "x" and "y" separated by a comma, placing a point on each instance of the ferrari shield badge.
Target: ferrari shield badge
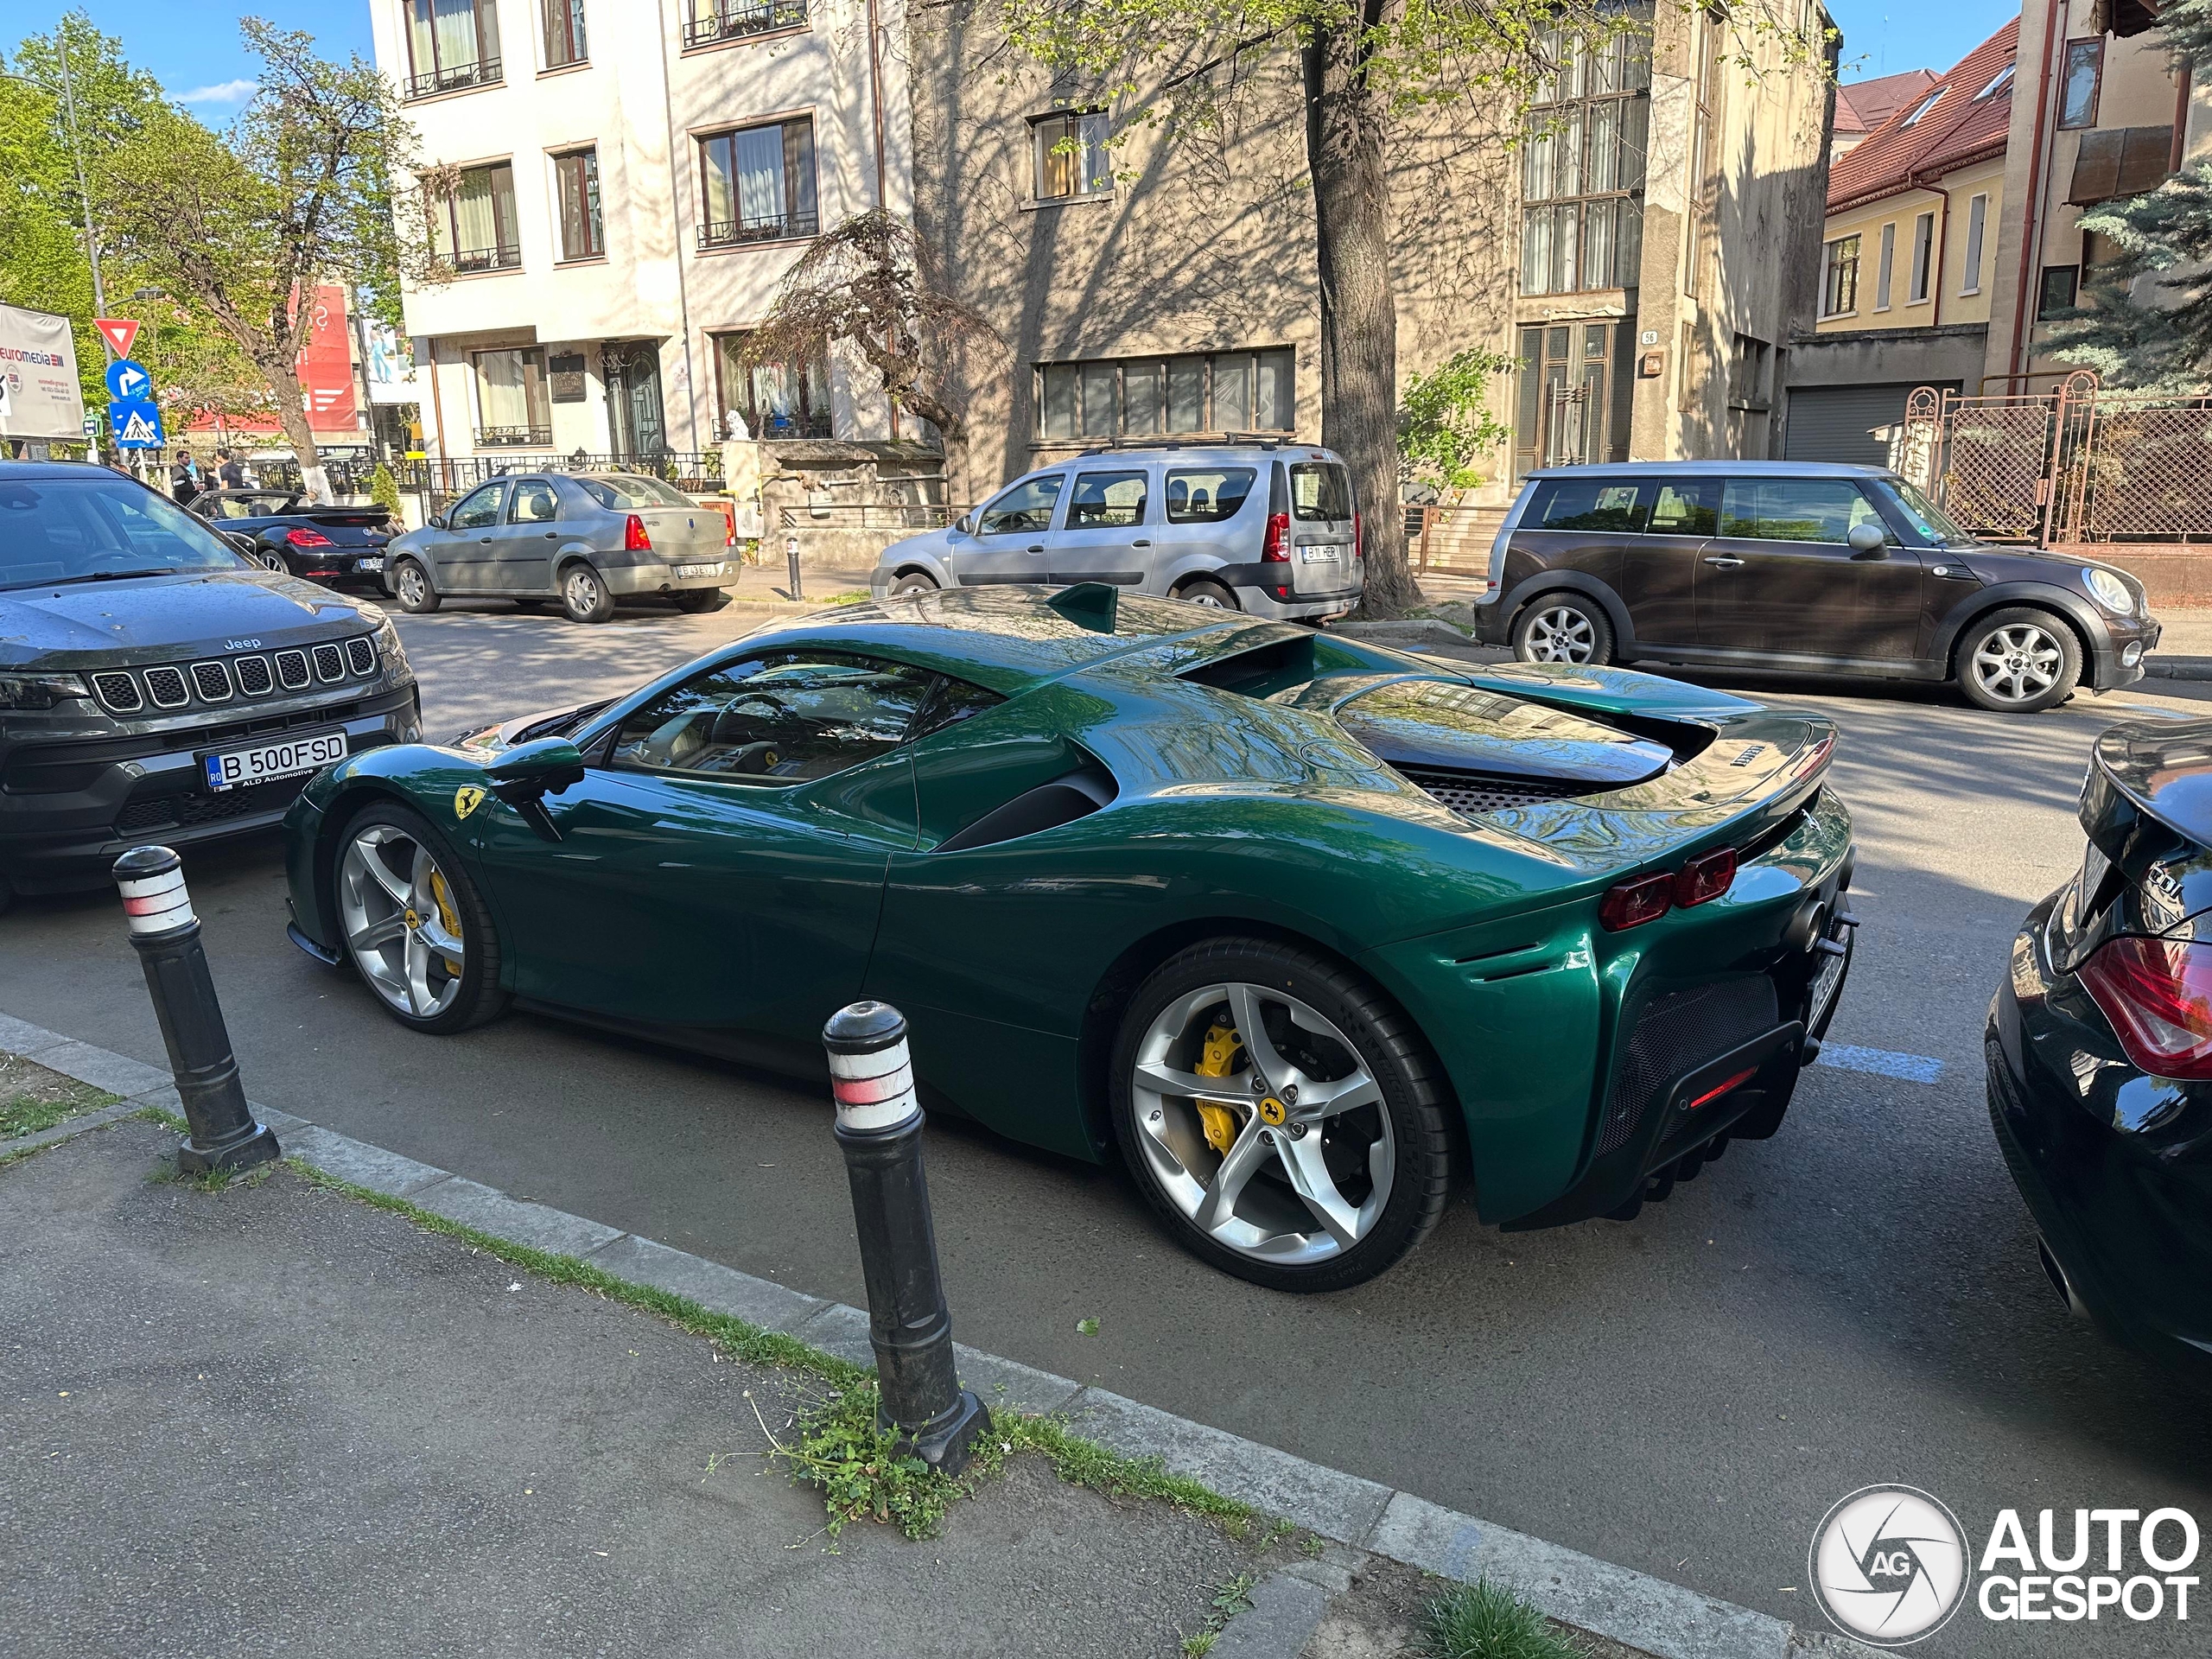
{"x": 466, "y": 800}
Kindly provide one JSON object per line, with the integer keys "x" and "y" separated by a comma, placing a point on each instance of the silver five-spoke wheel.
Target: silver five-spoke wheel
{"x": 413, "y": 588}
{"x": 2017, "y": 664}
{"x": 1559, "y": 633}
{"x": 403, "y": 927}
{"x": 1262, "y": 1124}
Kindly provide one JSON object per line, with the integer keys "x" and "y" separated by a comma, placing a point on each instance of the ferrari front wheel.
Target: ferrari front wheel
{"x": 416, "y": 929}
{"x": 1281, "y": 1114}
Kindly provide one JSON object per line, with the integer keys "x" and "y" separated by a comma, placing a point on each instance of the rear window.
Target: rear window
{"x": 626, "y": 492}
{"x": 1588, "y": 504}
{"x": 1207, "y": 495}
{"x": 1321, "y": 492}
{"x": 1685, "y": 507}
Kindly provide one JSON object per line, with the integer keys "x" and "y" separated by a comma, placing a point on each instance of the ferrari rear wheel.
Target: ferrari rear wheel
{"x": 1281, "y": 1114}
{"x": 416, "y": 929}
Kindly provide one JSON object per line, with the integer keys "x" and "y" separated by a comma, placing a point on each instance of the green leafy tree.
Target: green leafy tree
{"x": 1445, "y": 425}
{"x": 1369, "y": 68}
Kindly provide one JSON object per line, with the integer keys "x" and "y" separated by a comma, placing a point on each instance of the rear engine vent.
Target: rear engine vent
{"x": 329, "y": 662}
{"x": 166, "y": 686}
{"x": 1471, "y": 794}
{"x": 212, "y": 681}
{"x": 292, "y": 670}
{"x": 119, "y": 692}
{"x": 1676, "y": 1034}
{"x": 253, "y": 676}
{"x": 362, "y": 655}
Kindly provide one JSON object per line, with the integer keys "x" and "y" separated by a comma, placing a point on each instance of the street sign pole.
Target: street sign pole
{"x": 77, "y": 156}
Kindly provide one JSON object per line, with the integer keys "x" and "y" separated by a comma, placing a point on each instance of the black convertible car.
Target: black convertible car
{"x": 338, "y": 546}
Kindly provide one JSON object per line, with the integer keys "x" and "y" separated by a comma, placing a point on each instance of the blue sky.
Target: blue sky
{"x": 192, "y": 46}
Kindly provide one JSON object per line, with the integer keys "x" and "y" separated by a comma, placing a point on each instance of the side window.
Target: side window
{"x": 478, "y": 510}
{"x": 1587, "y": 504}
{"x": 1321, "y": 492}
{"x": 1107, "y": 500}
{"x": 1025, "y": 510}
{"x": 1795, "y": 509}
{"x": 1685, "y": 507}
{"x": 1208, "y": 495}
{"x": 953, "y": 701}
{"x": 784, "y": 717}
{"x": 534, "y": 503}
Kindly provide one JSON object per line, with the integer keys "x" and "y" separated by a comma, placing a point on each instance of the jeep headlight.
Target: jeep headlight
{"x": 39, "y": 690}
{"x": 2110, "y": 591}
{"x": 390, "y": 653}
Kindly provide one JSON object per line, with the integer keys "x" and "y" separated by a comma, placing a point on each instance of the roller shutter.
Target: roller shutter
{"x": 1840, "y": 423}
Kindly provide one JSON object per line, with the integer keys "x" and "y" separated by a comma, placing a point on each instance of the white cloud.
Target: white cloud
{"x": 223, "y": 91}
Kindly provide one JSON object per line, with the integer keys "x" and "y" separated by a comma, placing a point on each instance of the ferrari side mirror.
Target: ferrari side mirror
{"x": 1867, "y": 541}
{"x": 527, "y": 773}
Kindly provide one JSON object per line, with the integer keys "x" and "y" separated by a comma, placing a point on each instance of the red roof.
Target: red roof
{"x": 1957, "y": 127}
{"x": 1865, "y": 104}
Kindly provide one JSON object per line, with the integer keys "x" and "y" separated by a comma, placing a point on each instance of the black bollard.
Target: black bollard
{"x": 880, "y": 1127}
{"x": 167, "y": 934}
{"x": 790, "y": 566}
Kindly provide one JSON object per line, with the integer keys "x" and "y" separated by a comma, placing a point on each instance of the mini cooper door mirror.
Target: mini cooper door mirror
{"x": 1867, "y": 541}
{"x": 528, "y": 773}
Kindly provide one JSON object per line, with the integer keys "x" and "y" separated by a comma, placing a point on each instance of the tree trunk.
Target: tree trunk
{"x": 291, "y": 412}
{"x": 1359, "y": 322}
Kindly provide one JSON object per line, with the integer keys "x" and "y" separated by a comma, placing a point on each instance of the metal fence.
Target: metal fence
{"x": 870, "y": 515}
{"x": 697, "y": 473}
{"x": 1451, "y": 539}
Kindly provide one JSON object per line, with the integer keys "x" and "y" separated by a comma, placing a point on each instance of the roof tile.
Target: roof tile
{"x": 1958, "y": 129}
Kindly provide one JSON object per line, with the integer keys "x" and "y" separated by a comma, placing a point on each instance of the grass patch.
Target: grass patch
{"x": 1485, "y": 1621}
{"x": 857, "y": 596}
{"x": 33, "y": 1098}
{"x": 1232, "y": 1598}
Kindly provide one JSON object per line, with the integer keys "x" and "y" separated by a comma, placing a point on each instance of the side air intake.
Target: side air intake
{"x": 1071, "y": 796}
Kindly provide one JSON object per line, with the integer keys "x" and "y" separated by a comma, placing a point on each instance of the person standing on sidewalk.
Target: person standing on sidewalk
{"x": 185, "y": 479}
{"x": 231, "y": 474}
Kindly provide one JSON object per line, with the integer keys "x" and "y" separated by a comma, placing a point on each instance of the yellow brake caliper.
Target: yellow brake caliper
{"x": 447, "y": 916}
{"x": 1221, "y": 1122}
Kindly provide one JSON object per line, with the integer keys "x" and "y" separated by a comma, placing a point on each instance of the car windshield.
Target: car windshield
{"x": 1930, "y": 520}
{"x": 626, "y": 492}
{"x": 98, "y": 527}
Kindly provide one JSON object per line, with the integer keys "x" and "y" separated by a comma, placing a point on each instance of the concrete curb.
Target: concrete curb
{"x": 1640, "y": 1611}
{"x": 1423, "y": 631}
{"x": 2178, "y": 668}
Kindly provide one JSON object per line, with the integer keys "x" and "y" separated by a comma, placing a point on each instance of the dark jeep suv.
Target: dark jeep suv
{"x": 1790, "y": 565}
{"x": 157, "y": 685}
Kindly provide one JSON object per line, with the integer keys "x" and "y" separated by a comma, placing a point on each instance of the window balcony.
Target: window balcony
{"x": 513, "y": 437}
{"x": 733, "y": 20}
{"x": 773, "y": 227}
{"x": 453, "y": 77}
{"x": 470, "y": 261}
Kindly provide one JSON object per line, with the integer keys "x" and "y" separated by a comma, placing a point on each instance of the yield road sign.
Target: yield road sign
{"x": 128, "y": 382}
{"x": 119, "y": 332}
{"x": 138, "y": 423}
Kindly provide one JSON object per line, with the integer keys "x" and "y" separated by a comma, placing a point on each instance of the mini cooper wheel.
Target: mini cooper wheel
{"x": 416, "y": 928}
{"x": 2019, "y": 662}
{"x": 1563, "y": 628}
{"x": 1281, "y": 1113}
{"x": 410, "y": 586}
{"x": 584, "y": 596}
{"x": 914, "y": 581}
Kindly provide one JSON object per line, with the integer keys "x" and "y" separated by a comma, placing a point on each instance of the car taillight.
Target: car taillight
{"x": 1631, "y": 904}
{"x": 2157, "y": 994}
{"x": 1274, "y": 547}
{"x": 307, "y": 539}
{"x": 1718, "y": 1089}
{"x": 634, "y": 539}
{"x": 1705, "y": 878}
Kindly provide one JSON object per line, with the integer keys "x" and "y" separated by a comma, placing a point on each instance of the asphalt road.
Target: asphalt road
{"x": 1855, "y": 1301}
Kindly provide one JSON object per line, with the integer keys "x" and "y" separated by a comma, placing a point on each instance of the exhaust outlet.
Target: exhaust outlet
{"x": 2060, "y": 1282}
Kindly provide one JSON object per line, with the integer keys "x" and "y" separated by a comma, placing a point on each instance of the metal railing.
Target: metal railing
{"x": 771, "y": 428}
{"x": 868, "y": 515}
{"x": 452, "y": 77}
{"x": 469, "y": 261}
{"x": 733, "y": 22}
{"x": 1451, "y": 539}
{"x": 774, "y": 227}
{"x": 511, "y": 437}
{"x": 698, "y": 473}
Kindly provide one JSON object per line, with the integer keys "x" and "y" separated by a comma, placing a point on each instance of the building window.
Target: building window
{"x": 733, "y": 20}
{"x": 1882, "y": 269}
{"x": 451, "y": 44}
{"x": 1709, "y": 90}
{"x": 511, "y": 410}
{"x": 564, "y": 32}
{"x": 1840, "y": 285}
{"x": 1977, "y": 224}
{"x": 1071, "y": 155}
{"x": 1147, "y": 396}
{"x": 774, "y": 400}
{"x": 1923, "y": 254}
{"x": 473, "y": 226}
{"x": 759, "y": 183}
{"x": 1998, "y": 83}
{"x": 2085, "y": 64}
{"x": 1920, "y": 109}
{"x": 575, "y": 183}
{"x": 1582, "y": 168}
{"x": 2060, "y": 284}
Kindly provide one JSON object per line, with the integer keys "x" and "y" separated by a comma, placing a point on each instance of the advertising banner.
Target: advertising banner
{"x": 326, "y": 364}
{"x": 39, "y": 394}
{"x": 388, "y": 364}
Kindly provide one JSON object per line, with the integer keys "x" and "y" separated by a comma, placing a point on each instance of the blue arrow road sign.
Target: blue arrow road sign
{"x": 128, "y": 382}
{"x": 136, "y": 423}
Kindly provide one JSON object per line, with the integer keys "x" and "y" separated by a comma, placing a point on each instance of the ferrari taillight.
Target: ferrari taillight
{"x": 2157, "y": 994}
{"x": 634, "y": 539}
{"x": 307, "y": 539}
{"x": 1706, "y": 878}
{"x": 1631, "y": 904}
{"x": 1274, "y": 547}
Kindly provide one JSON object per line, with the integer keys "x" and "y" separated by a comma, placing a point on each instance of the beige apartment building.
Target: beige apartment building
{"x": 1636, "y": 246}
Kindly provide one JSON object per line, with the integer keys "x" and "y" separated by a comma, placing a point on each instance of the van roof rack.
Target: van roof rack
{"x": 1198, "y": 441}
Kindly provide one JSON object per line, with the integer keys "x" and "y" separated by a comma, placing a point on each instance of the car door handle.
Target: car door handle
{"x": 483, "y": 541}
{"x": 1723, "y": 561}
{"x": 1036, "y": 547}
{"x": 1140, "y": 544}
{"x": 552, "y": 535}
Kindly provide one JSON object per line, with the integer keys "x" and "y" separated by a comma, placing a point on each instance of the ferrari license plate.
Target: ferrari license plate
{"x": 1826, "y": 982}
{"x": 263, "y": 762}
{"x": 691, "y": 572}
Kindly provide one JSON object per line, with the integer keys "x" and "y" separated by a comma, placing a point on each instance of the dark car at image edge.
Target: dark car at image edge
{"x": 157, "y": 685}
{"x": 1800, "y": 567}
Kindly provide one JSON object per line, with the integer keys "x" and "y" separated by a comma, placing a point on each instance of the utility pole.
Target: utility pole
{"x": 84, "y": 191}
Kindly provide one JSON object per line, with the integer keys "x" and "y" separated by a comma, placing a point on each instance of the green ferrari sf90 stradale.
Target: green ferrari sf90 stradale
{"x": 1304, "y": 929}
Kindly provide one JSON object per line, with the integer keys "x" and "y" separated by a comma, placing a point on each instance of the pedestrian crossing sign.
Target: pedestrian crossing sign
{"x": 137, "y": 424}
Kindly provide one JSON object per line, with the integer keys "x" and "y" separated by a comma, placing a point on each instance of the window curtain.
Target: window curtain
{"x": 760, "y": 161}
{"x": 452, "y": 35}
{"x": 502, "y": 397}
{"x": 475, "y": 215}
{"x": 721, "y": 182}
